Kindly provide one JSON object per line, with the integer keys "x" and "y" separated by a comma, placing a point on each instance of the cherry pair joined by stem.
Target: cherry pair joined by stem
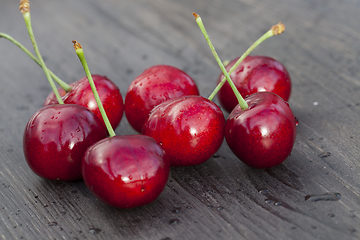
{"x": 261, "y": 129}
{"x": 57, "y": 136}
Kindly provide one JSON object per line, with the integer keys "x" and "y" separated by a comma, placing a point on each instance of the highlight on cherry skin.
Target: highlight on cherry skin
{"x": 263, "y": 135}
{"x": 189, "y": 128}
{"x": 126, "y": 171}
{"x": 255, "y": 74}
{"x": 56, "y": 138}
{"x": 155, "y": 85}
{"x": 82, "y": 94}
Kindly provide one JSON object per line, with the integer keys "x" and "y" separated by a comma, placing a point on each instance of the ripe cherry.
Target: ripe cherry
{"x": 189, "y": 128}
{"x": 126, "y": 171}
{"x": 56, "y": 138}
{"x": 82, "y": 94}
{"x": 155, "y": 85}
{"x": 263, "y": 135}
{"x": 261, "y": 130}
{"x": 255, "y": 74}
{"x": 123, "y": 171}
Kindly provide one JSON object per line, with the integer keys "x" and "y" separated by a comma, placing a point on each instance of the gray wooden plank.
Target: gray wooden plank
{"x": 222, "y": 198}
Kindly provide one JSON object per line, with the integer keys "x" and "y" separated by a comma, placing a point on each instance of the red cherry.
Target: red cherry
{"x": 255, "y": 74}
{"x": 56, "y": 138}
{"x": 82, "y": 94}
{"x": 263, "y": 135}
{"x": 126, "y": 171}
{"x": 189, "y": 128}
{"x": 155, "y": 85}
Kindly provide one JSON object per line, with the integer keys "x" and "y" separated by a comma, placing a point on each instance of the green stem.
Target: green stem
{"x": 80, "y": 54}
{"x": 275, "y": 30}
{"x": 25, "y": 10}
{"x": 62, "y": 84}
{"x": 246, "y": 53}
{"x": 240, "y": 99}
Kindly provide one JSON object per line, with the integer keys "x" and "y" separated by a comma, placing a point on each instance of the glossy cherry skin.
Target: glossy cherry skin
{"x": 126, "y": 171}
{"x": 82, "y": 94}
{"x": 190, "y": 129}
{"x": 56, "y": 138}
{"x": 155, "y": 85}
{"x": 263, "y": 135}
{"x": 255, "y": 74}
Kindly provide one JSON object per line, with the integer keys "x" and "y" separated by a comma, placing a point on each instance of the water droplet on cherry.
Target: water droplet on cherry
{"x": 241, "y": 69}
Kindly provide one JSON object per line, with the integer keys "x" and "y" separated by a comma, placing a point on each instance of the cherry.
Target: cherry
{"x": 189, "y": 128}
{"x": 155, "y": 85}
{"x": 56, "y": 138}
{"x": 123, "y": 171}
{"x": 261, "y": 130}
{"x": 263, "y": 135}
{"x": 82, "y": 94}
{"x": 126, "y": 171}
{"x": 255, "y": 74}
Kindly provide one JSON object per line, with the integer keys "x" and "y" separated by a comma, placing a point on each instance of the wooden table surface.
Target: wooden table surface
{"x": 221, "y": 198}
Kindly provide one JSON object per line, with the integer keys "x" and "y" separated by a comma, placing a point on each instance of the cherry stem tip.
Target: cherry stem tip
{"x": 77, "y": 45}
{"x": 278, "y": 28}
{"x": 80, "y": 53}
{"x": 24, "y": 6}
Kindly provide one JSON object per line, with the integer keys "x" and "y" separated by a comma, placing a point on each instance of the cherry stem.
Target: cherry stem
{"x": 275, "y": 30}
{"x": 80, "y": 53}
{"x": 240, "y": 99}
{"x": 25, "y": 10}
{"x": 62, "y": 84}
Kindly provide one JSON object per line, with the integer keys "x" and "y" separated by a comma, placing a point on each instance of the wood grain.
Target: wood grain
{"x": 222, "y": 198}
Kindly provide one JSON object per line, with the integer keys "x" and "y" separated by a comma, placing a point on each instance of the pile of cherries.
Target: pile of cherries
{"x": 177, "y": 127}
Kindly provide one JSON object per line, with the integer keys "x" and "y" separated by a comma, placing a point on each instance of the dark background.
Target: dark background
{"x": 222, "y": 198}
